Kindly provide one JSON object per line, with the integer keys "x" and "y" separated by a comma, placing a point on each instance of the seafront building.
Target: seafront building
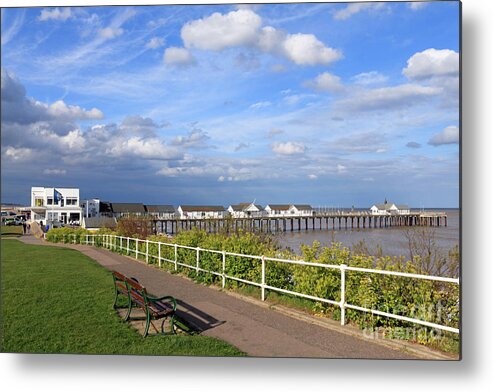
{"x": 201, "y": 212}
{"x": 389, "y": 209}
{"x": 246, "y": 210}
{"x": 53, "y": 205}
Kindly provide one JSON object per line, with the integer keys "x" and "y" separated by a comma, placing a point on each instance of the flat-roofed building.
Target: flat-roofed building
{"x": 55, "y": 205}
{"x": 121, "y": 210}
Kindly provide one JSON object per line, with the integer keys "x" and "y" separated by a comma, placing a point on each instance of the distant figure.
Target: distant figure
{"x": 24, "y": 228}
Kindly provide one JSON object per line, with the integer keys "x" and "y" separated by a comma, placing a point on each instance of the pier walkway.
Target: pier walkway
{"x": 254, "y": 327}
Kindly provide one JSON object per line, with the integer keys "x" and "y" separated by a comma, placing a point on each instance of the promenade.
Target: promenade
{"x": 252, "y": 326}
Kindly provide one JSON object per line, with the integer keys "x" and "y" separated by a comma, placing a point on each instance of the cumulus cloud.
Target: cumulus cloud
{"x": 312, "y": 176}
{"x": 60, "y": 109}
{"x": 243, "y": 28}
{"x": 55, "y": 14}
{"x": 449, "y": 135}
{"x": 306, "y": 49}
{"x": 432, "y": 63}
{"x": 366, "y": 78}
{"x": 18, "y": 154}
{"x": 220, "y": 31}
{"x": 325, "y": 82}
{"x": 289, "y": 148}
{"x": 354, "y": 8}
{"x": 155, "y": 42}
{"x": 41, "y": 134}
{"x": 178, "y": 56}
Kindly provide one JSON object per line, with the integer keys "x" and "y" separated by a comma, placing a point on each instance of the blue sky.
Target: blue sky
{"x": 329, "y": 104}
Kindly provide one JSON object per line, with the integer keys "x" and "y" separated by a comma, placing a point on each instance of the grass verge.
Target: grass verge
{"x": 57, "y": 300}
{"x": 11, "y": 231}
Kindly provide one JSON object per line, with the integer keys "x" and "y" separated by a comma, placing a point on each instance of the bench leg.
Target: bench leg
{"x": 127, "y": 316}
{"x": 148, "y": 323}
{"x": 171, "y": 325}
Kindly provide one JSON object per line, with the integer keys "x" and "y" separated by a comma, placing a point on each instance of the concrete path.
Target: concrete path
{"x": 247, "y": 324}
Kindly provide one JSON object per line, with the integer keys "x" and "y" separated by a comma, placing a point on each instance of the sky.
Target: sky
{"x": 329, "y": 104}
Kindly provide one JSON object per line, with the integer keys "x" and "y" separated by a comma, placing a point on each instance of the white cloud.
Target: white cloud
{"x": 219, "y": 31}
{"x": 366, "y": 78}
{"x": 242, "y": 28}
{"x": 324, "y": 82}
{"x": 18, "y": 154}
{"x": 354, "y": 8}
{"x": 55, "y": 14}
{"x": 259, "y": 105}
{"x": 155, "y": 42}
{"x": 151, "y": 148}
{"x": 221, "y": 179}
{"x": 110, "y": 32}
{"x": 306, "y": 49}
{"x": 55, "y": 171}
{"x": 61, "y": 110}
{"x": 385, "y": 98}
{"x": 449, "y": 135}
{"x": 432, "y": 63}
{"x": 178, "y": 56}
{"x": 288, "y": 148}
{"x": 312, "y": 176}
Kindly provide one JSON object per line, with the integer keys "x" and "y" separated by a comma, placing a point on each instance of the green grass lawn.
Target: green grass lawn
{"x": 56, "y": 300}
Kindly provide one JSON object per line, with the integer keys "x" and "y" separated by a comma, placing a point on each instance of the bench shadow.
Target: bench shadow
{"x": 197, "y": 320}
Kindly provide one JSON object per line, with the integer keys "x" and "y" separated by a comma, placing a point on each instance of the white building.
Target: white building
{"x": 389, "y": 209}
{"x": 277, "y": 210}
{"x": 300, "y": 210}
{"x": 161, "y": 211}
{"x": 245, "y": 210}
{"x": 90, "y": 207}
{"x": 201, "y": 212}
{"x": 55, "y": 205}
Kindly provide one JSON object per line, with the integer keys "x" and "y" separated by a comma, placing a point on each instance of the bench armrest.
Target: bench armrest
{"x": 167, "y": 297}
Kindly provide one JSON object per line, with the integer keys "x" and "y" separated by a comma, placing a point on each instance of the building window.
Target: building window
{"x": 71, "y": 201}
{"x": 39, "y": 202}
{"x": 49, "y": 201}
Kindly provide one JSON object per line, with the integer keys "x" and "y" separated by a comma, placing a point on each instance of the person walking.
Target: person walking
{"x": 24, "y": 226}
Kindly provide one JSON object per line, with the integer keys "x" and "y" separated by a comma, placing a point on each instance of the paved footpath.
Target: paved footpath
{"x": 251, "y": 327}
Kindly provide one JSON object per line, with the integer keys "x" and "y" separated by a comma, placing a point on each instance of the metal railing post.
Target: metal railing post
{"x": 176, "y": 257}
{"x": 263, "y": 278}
{"x": 159, "y": 253}
{"x": 198, "y": 258}
{"x": 147, "y": 251}
{"x": 136, "y": 248}
{"x": 343, "y": 294}
{"x": 224, "y": 269}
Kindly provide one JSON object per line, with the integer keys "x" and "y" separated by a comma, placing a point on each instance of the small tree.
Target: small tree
{"x": 135, "y": 226}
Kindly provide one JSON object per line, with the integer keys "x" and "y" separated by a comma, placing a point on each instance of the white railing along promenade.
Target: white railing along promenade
{"x": 120, "y": 243}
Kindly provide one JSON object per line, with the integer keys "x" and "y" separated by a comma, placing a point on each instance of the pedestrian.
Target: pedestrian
{"x": 24, "y": 227}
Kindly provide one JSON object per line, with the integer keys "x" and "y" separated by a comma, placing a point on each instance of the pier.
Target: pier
{"x": 318, "y": 221}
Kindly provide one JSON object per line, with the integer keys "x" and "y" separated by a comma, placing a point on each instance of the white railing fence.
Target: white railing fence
{"x": 136, "y": 247}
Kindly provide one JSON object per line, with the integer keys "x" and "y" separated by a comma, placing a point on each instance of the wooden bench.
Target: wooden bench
{"x": 136, "y": 294}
